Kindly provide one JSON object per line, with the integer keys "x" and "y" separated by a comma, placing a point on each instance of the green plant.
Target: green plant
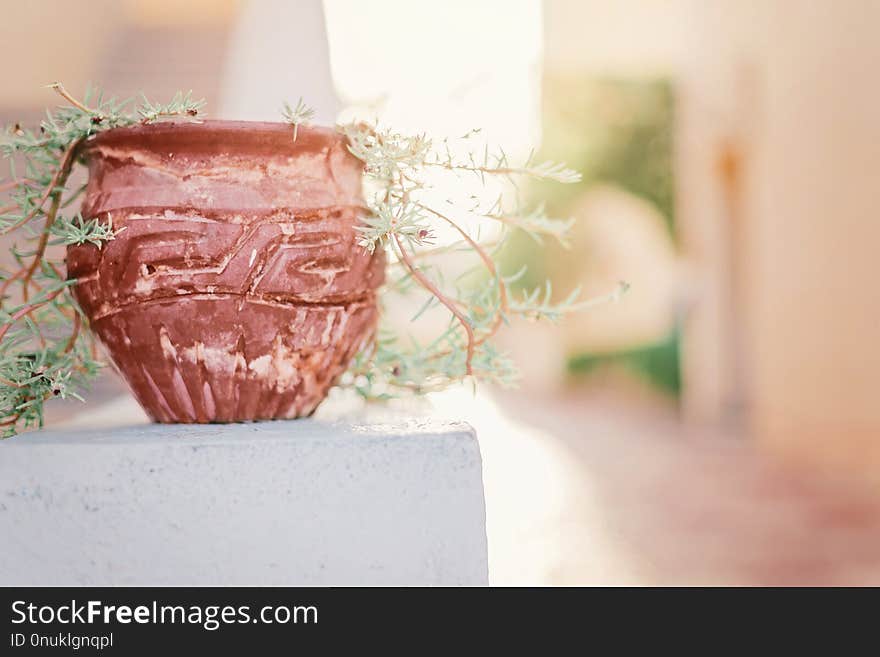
{"x": 44, "y": 351}
{"x": 400, "y": 183}
{"x": 297, "y": 115}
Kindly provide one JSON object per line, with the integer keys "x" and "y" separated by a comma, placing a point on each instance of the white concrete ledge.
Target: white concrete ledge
{"x": 287, "y": 503}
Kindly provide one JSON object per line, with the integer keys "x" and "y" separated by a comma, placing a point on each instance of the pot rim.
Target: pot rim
{"x": 214, "y": 133}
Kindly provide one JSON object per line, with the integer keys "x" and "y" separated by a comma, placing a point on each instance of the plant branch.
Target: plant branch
{"x": 490, "y": 265}
{"x": 60, "y": 179}
{"x": 71, "y": 342}
{"x": 27, "y": 310}
{"x": 61, "y": 91}
{"x": 442, "y": 298}
{"x": 62, "y": 172}
{"x": 40, "y": 357}
{"x": 9, "y": 281}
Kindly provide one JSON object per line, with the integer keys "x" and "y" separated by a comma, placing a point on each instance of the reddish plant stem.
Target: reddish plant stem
{"x": 442, "y": 298}
{"x": 12, "y": 184}
{"x": 77, "y": 321}
{"x": 58, "y": 88}
{"x": 27, "y": 310}
{"x": 11, "y": 420}
{"x": 441, "y": 250}
{"x": 62, "y": 173}
{"x": 490, "y": 265}
{"x": 59, "y": 179}
{"x": 41, "y": 247}
{"x": 9, "y": 281}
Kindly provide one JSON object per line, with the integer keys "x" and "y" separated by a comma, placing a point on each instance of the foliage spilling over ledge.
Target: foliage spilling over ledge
{"x": 46, "y": 352}
{"x": 403, "y": 173}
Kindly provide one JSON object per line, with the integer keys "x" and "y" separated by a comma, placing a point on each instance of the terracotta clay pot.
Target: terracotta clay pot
{"x": 236, "y": 290}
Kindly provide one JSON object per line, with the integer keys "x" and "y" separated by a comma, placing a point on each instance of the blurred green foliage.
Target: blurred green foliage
{"x": 612, "y": 131}
{"x": 658, "y": 363}
{"x": 617, "y": 132}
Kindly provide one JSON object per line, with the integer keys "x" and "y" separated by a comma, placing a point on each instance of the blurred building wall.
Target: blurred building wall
{"x": 40, "y": 47}
{"x": 779, "y": 159}
{"x": 778, "y": 147}
{"x": 816, "y": 235}
{"x": 124, "y": 46}
{"x": 278, "y": 51}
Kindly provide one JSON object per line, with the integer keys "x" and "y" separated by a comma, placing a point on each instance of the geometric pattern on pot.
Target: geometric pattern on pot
{"x": 235, "y": 289}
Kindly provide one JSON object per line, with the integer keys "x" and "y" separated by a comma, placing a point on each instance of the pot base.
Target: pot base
{"x": 228, "y": 358}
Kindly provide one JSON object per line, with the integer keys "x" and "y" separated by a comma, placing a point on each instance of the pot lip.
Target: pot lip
{"x": 240, "y": 132}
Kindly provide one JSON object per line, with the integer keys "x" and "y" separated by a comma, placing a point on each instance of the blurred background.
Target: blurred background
{"x": 719, "y": 425}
